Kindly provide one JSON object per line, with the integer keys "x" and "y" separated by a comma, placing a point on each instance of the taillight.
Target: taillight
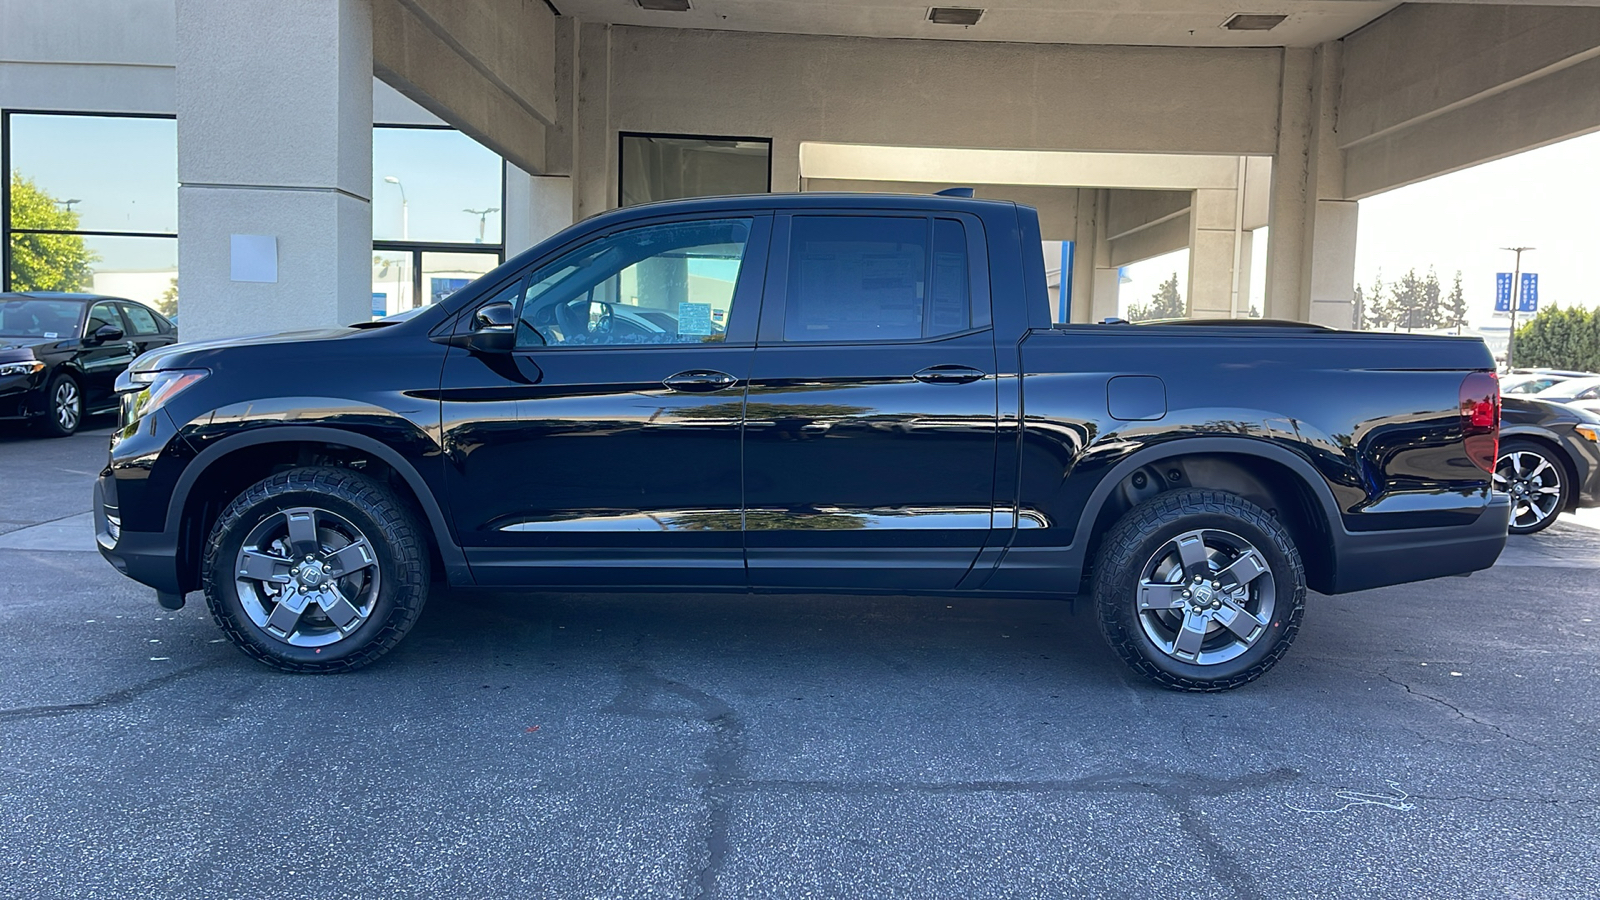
{"x": 1480, "y": 418}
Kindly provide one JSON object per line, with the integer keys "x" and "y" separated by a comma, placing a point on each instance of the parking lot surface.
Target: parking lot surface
{"x": 1432, "y": 740}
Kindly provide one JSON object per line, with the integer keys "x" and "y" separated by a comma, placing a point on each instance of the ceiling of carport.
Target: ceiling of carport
{"x": 1169, "y": 23}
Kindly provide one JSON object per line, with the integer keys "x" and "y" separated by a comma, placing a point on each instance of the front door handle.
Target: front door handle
{"x": 948, "y": 375}
{"x": 699, "y": 381}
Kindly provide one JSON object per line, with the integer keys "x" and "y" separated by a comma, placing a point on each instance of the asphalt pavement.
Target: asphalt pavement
{"x": 1431, "y": 740}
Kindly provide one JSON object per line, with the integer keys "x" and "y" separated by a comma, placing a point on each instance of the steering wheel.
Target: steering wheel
{"x": 607, "y": 319}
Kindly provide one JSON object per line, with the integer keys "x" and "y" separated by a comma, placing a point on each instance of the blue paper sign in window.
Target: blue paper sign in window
{"x": 694, "y": 318}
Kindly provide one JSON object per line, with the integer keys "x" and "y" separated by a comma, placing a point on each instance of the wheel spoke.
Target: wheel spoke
{"x": 1247, "y": 568}
{"x": 262, "y": 567}
{"x": 348, "y": 559}
{"x": 1192, "y": 550}
{"x": 1501, "y": 479}
{"x": 285, "y": 616}
{"x": 1244, "y": 626}
{"x": 339, "y": 610}
{"x": 1516, "y": 464}
{"x": 302, "y": 531}
{"x": 1190, "y": 635}
{"x": 1156, "y": 595}
{"x": 1543, "y": 464}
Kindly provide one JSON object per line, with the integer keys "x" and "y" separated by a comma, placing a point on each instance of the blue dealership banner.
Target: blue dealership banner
{"x": 1502, "y": 292}
{"x": 1528, "y": 300}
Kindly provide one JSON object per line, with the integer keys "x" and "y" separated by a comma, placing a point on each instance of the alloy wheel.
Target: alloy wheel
{"x": 1534, "y": 485}
{"x": 307, "y": 577}
{"x": 67, "y": 405}
{"x": 1206, "y": 597}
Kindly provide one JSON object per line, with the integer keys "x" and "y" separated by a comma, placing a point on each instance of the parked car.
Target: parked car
{"x": 60, "y": 354}
{"x": 848, "y": 393}
{"x": 1571, "y": 390}
{"x": 1549, "y": 461}
{"x": 1532, "y": 381}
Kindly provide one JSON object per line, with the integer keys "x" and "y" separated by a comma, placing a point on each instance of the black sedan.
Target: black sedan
{"x": 60, "y": 354}
{"x": 1549, "y": 461}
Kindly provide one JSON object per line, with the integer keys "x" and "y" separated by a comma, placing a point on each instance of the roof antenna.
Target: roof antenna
{"x": 955, "y": 192}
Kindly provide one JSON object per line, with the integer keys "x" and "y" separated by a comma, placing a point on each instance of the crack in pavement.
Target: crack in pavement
{"x": 721, "y": 778}
{"x": 723, "y": 760}
{"x": 1468, "y": 717}
{"x": 104, "y": 701}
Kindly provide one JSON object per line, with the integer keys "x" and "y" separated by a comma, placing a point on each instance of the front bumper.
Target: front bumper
{"x": 1371, "y": 559}
{"x": 149, "y": 558}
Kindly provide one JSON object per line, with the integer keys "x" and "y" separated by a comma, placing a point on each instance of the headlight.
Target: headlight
{"x": 20, "y": 368}
{"x": 145, "y": 392}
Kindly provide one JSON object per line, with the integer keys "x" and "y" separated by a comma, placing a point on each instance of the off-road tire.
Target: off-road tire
{"x": 391, "y": 528}
{"x": 1133, "y": 542}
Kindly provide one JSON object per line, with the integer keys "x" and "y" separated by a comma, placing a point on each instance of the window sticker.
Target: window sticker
{"x": 51, "y": 335}
{"x": 694, "y": 318}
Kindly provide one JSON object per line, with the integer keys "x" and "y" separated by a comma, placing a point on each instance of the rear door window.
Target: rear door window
{"x": 876, "y": 278}
{"x": 142, "y": 320}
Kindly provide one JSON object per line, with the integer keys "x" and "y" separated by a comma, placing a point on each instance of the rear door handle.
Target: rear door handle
{"x": 948, "y": 375}
{"x": 699, "y": 381}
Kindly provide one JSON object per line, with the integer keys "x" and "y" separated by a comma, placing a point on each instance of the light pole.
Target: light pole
{"x": 1516, "y": 301}
{"x": 483, "y": 216}
{"x": 405, "y": 208}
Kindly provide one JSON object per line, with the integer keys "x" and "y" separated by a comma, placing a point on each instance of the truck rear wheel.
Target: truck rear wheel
{"x": 317, "y": 569}
{"x": 1199, "y": 590}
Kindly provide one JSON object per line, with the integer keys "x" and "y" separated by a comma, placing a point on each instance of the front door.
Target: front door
{"x": 871, "y": 415}
{"x": 102, "y": 362}
{"x": 604, "y": 451}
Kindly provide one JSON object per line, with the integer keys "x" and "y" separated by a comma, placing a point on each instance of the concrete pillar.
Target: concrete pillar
{"x": 1107, "y": 283}
{"x": 1311, "y": 260}
{"x": 1247, "y": 245}
{"x": 1086, "y": 234}
{"x": 537, "y": 206}
{"x": 594, "y": 159}
{"x": 274, "y": 106}
{"x": 1214, "y": 245}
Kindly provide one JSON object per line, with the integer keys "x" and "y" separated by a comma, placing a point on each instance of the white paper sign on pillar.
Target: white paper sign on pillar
{"x": 254, "y": 257}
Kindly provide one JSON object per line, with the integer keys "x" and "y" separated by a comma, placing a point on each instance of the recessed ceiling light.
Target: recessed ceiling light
{"x": 954, "y": 15}
{"x": 1253, "y": 21}
{"x": 664, "y": 5}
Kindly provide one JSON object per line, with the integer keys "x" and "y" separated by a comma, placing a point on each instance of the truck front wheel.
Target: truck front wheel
{"x": 316, "y": 569}
{"x": 1199, "y": 590}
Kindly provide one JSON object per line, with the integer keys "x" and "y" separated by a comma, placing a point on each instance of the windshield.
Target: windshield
{"x": 1567, "y": 390}
{"x": 46, "y": 319}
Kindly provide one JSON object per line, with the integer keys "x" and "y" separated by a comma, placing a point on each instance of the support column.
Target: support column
{"x": 537, "y": 206}
{"x": 1086, "y": 234}
{"x": 274, "y": 165}
{"x": 594, "y": 160}
{"x": 1107, "y": 283}
{"x": 1214, "y": 239}
{"x": 1311, "y": 260}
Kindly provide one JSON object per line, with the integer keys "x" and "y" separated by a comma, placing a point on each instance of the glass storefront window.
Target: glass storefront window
{"x": 434, "y": 185}
{"x": 445, "y": 273}
{"x": 93, "y": 206}
{"x": 674, "y": 167}
{"x": 107, "y": 173}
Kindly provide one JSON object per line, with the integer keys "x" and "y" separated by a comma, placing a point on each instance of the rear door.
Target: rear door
{"x": 144, "y": 330}
{"x": 869, "y": 453}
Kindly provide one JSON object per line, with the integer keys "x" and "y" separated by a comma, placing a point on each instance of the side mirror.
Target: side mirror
{"x": 493, "y": 329}
{"x": 106, "y": 333}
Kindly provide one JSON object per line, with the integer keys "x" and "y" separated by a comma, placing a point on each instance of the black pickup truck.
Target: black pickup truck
{"x": 815, "y": 392}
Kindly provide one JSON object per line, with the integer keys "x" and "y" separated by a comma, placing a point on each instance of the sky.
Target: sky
{"x": 1547, "y": 198}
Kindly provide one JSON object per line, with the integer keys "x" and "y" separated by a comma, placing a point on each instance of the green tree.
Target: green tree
{"x": 167, "y": 303}
{"x": 1454, "y": 308}
{"x": 1165, "y": 303}
{"x": 1432, "y": 301}
{"x": 1408, "y": 302}
{"x": 46, "y": 262}
{"x": 1560, "y": 339}
{"x": 1380, "y": 312}
{"x": 1358, "y": 308}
